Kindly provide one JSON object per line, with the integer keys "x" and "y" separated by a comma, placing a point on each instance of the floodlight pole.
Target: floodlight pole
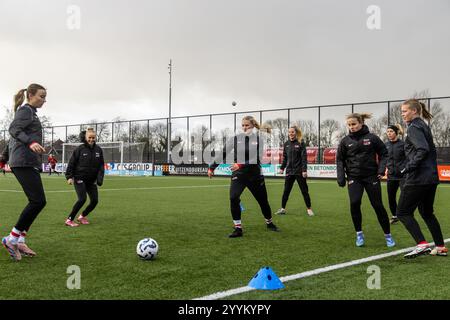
{"x": 169, "y": 124}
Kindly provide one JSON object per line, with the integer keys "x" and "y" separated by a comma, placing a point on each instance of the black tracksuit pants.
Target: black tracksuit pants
{"x": 289, "y": 182}
{"x": 392, "y": 188}
{"x": 421, "y": 197}
{"x": 30, "y": 180}
{"x": 257, "y": 187}
{"x": 82, "y": 189}
{"x": 373, "y": 188}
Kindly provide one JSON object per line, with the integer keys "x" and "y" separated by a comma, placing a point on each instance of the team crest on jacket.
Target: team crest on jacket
{"x": 97, "y": 154}
{"x": 366, "y": 142}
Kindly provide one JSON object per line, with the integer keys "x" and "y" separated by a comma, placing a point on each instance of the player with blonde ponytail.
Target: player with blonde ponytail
{"x": 245, "y": 150}
{"x": 296, "y": 164}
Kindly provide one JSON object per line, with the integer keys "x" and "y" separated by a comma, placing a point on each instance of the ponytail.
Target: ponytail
{"x": 361, "y": 117}
{"x": 19, "y": 98}
{"x": 264, "y": 127}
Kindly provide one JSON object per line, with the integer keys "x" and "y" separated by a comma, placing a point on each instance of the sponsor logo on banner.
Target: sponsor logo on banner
{"x": 444, "y": 173}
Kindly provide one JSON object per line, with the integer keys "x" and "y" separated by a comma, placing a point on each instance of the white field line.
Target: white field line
{"x": 227, "y": 293}
{"x": 142, "y": 188}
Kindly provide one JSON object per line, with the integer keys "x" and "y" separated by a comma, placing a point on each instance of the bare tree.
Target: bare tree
{"x": 309, "y": 130}
{"x": 330, "y": 133}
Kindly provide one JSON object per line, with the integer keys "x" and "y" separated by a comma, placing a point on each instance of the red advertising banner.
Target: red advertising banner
{"x": 444, "y": 172}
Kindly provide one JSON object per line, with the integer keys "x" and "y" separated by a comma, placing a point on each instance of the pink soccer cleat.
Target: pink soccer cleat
{"x": 12, "y": 249}
{"x": 83, "y": 220}
{"x": 25, "y": 250}
{"x": 70, "y": 223}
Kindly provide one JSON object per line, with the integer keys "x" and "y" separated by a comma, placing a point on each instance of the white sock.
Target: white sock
{"x": 237, "y": 223}
{"x": 359, "y": 233}
{"x": 14, "y": 236}
{"x": 22, "y": 237}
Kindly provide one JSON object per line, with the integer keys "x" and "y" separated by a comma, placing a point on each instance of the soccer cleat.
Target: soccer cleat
{"x": 83, "y": 220}
{"x": 70, "y": 223}
{"x": 12, "y": 249}
{"x": 281, "y": 211}
{"x": 25, "y": 250}
{"x": 272, "y": 227}
{"x": 421, "y": 249}
{"x": 439, "y": 251}
{"x": 237, "y": 232}
{"x": 394, "y": 220}
{"x": 310, "y": 212}
{"x": 360, "y": 240}
{"x": 390, "y": 241}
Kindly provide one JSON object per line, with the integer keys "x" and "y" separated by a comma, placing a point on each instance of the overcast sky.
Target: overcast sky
{"x": 264, "y": 54}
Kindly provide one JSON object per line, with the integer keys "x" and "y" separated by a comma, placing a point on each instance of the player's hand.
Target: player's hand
{"x": 70, "y": 181}
{"x": 210, "y": 173}
{"x": 305, "y": 174}
{"x": 37, "y": 148}
{"x": 380, "y": 176}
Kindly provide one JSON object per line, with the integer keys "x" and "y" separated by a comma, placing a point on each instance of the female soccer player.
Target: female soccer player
{"x": 421, "y": 180}
{"x": 52, "y": 164}
{"x": 85, "y": 171}
{"x": 25, "y": 163}
{"x": 295, "y": 163}
{"x": 395, "y": 164}
{"x": 245, "y": 151}
{"x": 356, "y": 160}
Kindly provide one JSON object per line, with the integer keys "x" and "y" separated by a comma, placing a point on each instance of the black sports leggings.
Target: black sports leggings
{"x": 373, "y": 189}
{"x": 392, "y": 188}
{"x": 421, "y": 197}
{"x": 82, "y": 189}
{"x": 257, "y": 187}
{"x": 288, "y": 183}
{"x": 30, "y": 180}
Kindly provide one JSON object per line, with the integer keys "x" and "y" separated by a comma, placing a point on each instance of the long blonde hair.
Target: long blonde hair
{"x": 298, "y": 132}
{"x": 19, "y": 98}
{"x": 420, "y": 107}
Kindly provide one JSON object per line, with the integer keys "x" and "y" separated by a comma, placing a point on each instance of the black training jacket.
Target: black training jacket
{"x": 25, "y": 129}
{"x": 294, "y": 157}
{"x": 87, "y": 164}
{"x": 396, "y": 159}
{"x": 421, "y": 165}
{"x": 357, "y": 156}
{"x": 245, "y": 150}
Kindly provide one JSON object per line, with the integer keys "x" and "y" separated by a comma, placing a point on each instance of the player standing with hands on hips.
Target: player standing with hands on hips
{"x": 85, "y": 171}
{"x": 356, "y": 161}
{"x": 421, "y": 180}
{"x": 296, "y": 165}
{"x": 245, "y": 152}
{"x": 25, "y": 161}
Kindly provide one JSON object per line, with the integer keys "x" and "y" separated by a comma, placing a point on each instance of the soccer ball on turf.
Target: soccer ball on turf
{"x": 147, "y": 249}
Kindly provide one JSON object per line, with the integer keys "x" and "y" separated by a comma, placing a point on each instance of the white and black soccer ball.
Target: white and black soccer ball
{"x": 147, "y": 249}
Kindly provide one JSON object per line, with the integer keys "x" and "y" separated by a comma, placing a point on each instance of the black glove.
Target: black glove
{"x": 341, "y": 183}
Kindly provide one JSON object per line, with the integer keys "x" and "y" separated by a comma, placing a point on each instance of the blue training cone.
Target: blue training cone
{"x": 242, "y": 207}
{"x": 266, "y": 279}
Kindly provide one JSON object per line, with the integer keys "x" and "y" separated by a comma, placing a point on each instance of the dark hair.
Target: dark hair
{"x": 32, "y": 89}
{"x": 397, "y": 128}
{"x": 83, "y": 136}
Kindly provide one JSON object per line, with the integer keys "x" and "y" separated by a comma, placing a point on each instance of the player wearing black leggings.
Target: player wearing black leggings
{"x": 356, "y": 159}
{"x": 295, "y": 163}
{"x": 395, "y": 164}
{"x": 85, "y": 171}
{"x": 421, "y": 180}
{"x": 25, "y": 163}
{"x": 245, "y": 152}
